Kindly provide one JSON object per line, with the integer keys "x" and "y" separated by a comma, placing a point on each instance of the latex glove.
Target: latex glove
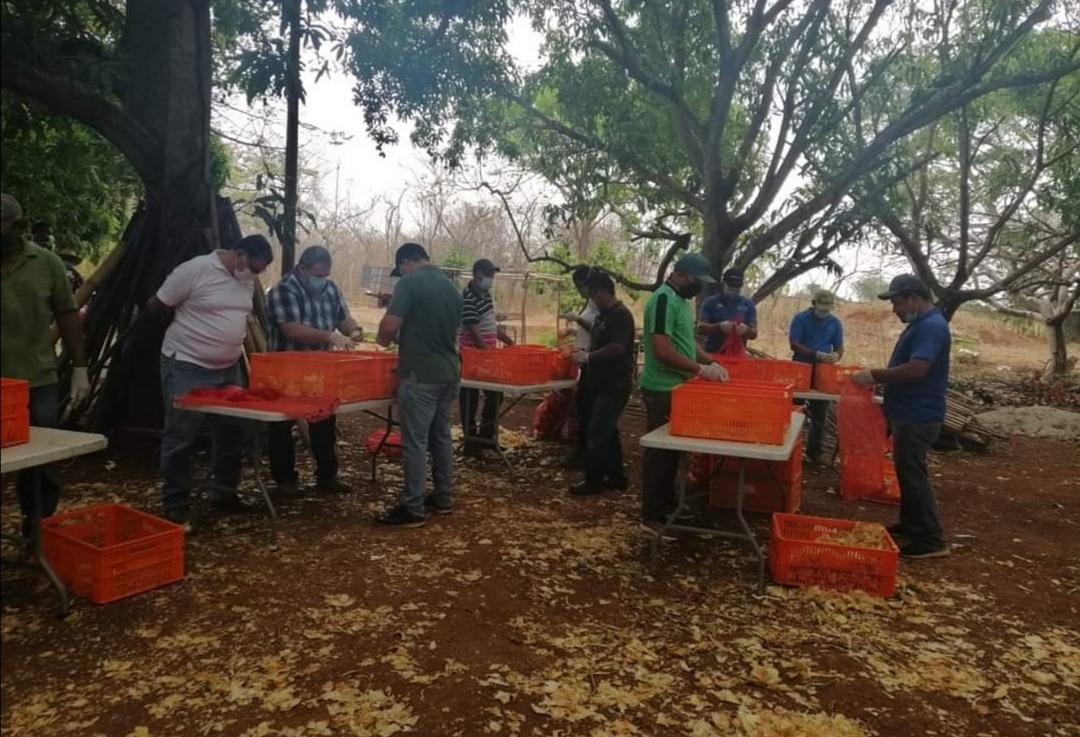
{"x": 863, "y": 379}
{"x": 834, "y": 358}
{"x": 339, "y": 341}
{"x": 571, "y": 316}
{"x": 727, "y": 326}
{"x": 713, "y": 372}
{"x": 823, "y": 357}
{"x": 80, "y": 385}
{"x": 357, "y": 336}
{"x": 580, "y": 357}
{"x": 741, "y": 329}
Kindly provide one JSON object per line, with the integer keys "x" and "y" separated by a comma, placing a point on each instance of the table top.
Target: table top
{"x": 662, "y": 439}
{"x": 48, "y": 445}
{"x": 822, "y": 396}
{"x": 548, "y": 386}
{"x": 368, "y": 405}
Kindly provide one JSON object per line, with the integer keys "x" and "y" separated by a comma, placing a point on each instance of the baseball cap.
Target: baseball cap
{"x": 10, "y": 209}
{"x": 733, "y": 277}
{"x": 824, "y": 297}
{"x": 696, "y": 266}
{"x": 407, "y": 252}
{"x": 484, "y": 266}
{"x": 905, "y": 284}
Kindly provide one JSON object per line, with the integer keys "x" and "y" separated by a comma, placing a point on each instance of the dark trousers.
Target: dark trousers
{"x": 817, "y": 412}
{"x": 603, "y": 448}
{"x": 44, "y": 412}
{"x": 583, "y": 402}
{"x": 489, "y": 416}
{"x": 918, "y": 505}
{"x": 323, "y": 437}
{"x": 659, "y": 467}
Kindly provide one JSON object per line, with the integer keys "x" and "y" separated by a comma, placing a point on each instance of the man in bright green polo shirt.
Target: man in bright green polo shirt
{"x": 671, "y": 357}
{"x": 34, "y": 291}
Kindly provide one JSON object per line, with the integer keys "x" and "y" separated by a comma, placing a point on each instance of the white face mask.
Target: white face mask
{"x": 822, "y": 312}
{"x": 246, "y": 275}
{"x": 485, "y": 283}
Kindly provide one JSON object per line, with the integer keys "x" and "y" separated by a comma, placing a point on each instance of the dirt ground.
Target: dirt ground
{"x": 529, "y": 612}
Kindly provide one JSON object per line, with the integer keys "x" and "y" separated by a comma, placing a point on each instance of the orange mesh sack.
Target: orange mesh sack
{"x": 860, "y": 422}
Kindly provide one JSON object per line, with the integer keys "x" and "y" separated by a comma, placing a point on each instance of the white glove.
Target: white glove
{"x": 571, "y": 316}
{"x": 580, "y": 357}
{"x": 339, "y": 341}
{"x": 357, "y": 336}
{"x": 727, "y": 326}
{"x": 80, "y": 385}
{"x": 713, "y": 372}
{"x": 741, "y": 329}
{"x": 834, "y": 358}
{"x": 863, "y": 378}
{"x": 823, "y": 357}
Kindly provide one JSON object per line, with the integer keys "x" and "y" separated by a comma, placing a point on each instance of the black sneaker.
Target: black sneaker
{"x": 617, "y": 483}
{"x": 177, "y": 515}
{"x": 333, "y": 486}
{"x": 233, "y": 505}
{"x": 897, "y": 530}
{"x": 921, "y": 550}
{"x": 437, "y": 508}
{"x": 585, "y": 489}
{"x": 400, "y": 516}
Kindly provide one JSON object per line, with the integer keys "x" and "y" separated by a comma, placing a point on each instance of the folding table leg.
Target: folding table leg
{"x": 255, "y": 456}
{"x": 382, "y": 441}
{"x": 680, "y": 505}
{"x": 746, "y": 526}
{"x": 35, "y": 548}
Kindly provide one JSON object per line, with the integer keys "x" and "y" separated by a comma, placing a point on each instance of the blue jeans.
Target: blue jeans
{"x": 182, "y": 429}
{"x": 603, "y": 455}
{"x": 425, "y": 424}
{"x": 44, "y": 412}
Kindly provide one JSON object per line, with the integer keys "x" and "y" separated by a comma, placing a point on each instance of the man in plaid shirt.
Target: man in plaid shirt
{"x": 308, "y": 313}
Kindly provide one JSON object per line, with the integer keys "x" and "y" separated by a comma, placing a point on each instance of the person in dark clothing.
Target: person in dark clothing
{"x": 583, "y": 322}
{"x": 610, "y": 359}
{"x": 916, "y": 383}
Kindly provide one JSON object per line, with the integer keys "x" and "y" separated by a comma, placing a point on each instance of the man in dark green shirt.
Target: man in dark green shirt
{"x": 423, "y": 316}
{"x": 34, "y": 291}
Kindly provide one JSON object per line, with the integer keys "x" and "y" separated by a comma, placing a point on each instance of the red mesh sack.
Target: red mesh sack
{"x": 860, "y": 422}
{"x": 391, "y": 448}
{"x": 554, "y": 418}
{"x": 733, "y": 346}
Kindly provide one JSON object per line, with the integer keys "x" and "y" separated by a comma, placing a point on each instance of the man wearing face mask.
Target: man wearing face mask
{"x": 671, "y": 357}
{"x": 480, "y": 329}
{"x": 583, "y": 325}
{"x": 33, "y": 294}
{"x": 817, "y": 336}
{"x": 308, "y": 313}
{"x": 208, "y": 299}
{"x": 916, "y": 383}
{"x": 727, "y": 312}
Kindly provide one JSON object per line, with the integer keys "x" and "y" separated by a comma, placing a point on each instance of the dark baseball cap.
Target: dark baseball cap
{"x": 408, "y": 252}
{"x": 484, "y": 266}
{"x": 733, "y": 277}
{"x": 905, "y": 284}
{"x": 696, "y": 266}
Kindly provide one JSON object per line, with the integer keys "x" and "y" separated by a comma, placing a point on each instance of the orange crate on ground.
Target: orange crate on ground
{"x": 341, "y": 376}
{"x": 111, "y": 551}
{"x": 383, "y": 375}
{"x": 740, "y": 411}
{"x": 797, "y": 558}
{"x": 519, "y": 365}
{"x": 868, "y": 477}
{"x": 831, "y": 378}
{"x": 14, "y": 412}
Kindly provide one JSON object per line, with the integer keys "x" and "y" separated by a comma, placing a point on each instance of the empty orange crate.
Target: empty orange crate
{"x": 868, "y": 477}
{"x": 520, "y": 365}
{"x": 797, "y": 559}
{"x": 741, "y": 411}
{"x": 14, "y": 412}
{"x": 831, "y": 378}
{"x": 111, "y": 551}
{"x": 382, "y": 375}
{"x": 768, "y": 369}
{"x": 341, "y": 376}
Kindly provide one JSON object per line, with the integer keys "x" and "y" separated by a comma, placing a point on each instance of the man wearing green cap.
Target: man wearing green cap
{"x": 816, "y": 336}
{"x": 671, "y": 357}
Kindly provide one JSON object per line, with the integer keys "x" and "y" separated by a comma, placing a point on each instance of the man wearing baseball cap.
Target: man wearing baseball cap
{"x": 916, "y": 382}
{"x": 817, "y": 336}
{"x": 726, "y": 312}
{"x": 480, "y": 329}
{"x": 672, "y": 356}
{"x": 34, "y": 293}
{"x": 423, "y": 317}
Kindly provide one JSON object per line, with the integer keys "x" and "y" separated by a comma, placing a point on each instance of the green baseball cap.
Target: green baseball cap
{"x": 696, "y": 266}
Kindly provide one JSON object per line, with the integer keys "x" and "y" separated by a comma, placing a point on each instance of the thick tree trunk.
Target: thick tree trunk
{"x": 1059, "y": 352}
{"x": 291, "y": 16}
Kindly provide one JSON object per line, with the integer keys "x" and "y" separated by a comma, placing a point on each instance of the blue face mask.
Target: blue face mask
{"x": 316, "y": 283}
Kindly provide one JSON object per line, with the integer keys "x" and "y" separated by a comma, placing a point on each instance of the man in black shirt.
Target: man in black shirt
{"x": 610, "y": 359}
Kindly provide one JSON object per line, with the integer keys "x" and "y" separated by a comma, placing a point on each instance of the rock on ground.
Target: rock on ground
{"x": 1034, "y": 422}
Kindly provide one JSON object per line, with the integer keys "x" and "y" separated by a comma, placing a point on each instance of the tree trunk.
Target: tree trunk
{"x": 291, "y": 11}
{"x": 1059, "y": 353}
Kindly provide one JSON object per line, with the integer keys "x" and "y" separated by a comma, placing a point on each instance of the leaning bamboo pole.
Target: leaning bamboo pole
{"x": 93, "y": 283}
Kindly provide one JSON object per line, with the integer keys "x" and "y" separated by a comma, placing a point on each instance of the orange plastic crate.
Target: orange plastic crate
{"x": 831, "y": 378}
{"x": 519, "y": 365}
{"x": 111, "y": 551}
{"x": 383, "y": 375}
{"x": 868, "y": 477}
{"x": 788, "y": 372}
{"x": 342, "y": 376}
{"x": 741, "y": 411}
{"x": 14, "y": 412}
{"x": 797, "y": 559}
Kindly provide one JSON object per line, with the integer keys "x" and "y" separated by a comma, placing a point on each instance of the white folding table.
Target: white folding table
{"x": 370, "y": 406}
{"x": 662, "y": 439}
{"x": 47, "y": 445}
{"x": 518, "y": 392}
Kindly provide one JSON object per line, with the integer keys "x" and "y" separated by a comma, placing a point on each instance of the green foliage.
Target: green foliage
{"x": 66, "y": 175}
{"x": 602, "y": 255}
{"x": 457, "y": 258}
{"x": 869, "y": 286}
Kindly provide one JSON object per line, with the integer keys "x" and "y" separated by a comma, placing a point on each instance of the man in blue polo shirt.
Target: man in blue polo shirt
{"x": 816, "y": 336}
{"x": 916, "y": 382}
{"x": 727, "y": 312}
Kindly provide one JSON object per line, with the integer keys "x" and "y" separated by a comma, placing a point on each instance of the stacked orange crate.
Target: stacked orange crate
{"x": 14, "y": 412}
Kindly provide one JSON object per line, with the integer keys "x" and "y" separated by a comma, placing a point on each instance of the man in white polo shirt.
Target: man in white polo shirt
{"x": 583, "y": 323}
{"x": 210, "y": 298}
